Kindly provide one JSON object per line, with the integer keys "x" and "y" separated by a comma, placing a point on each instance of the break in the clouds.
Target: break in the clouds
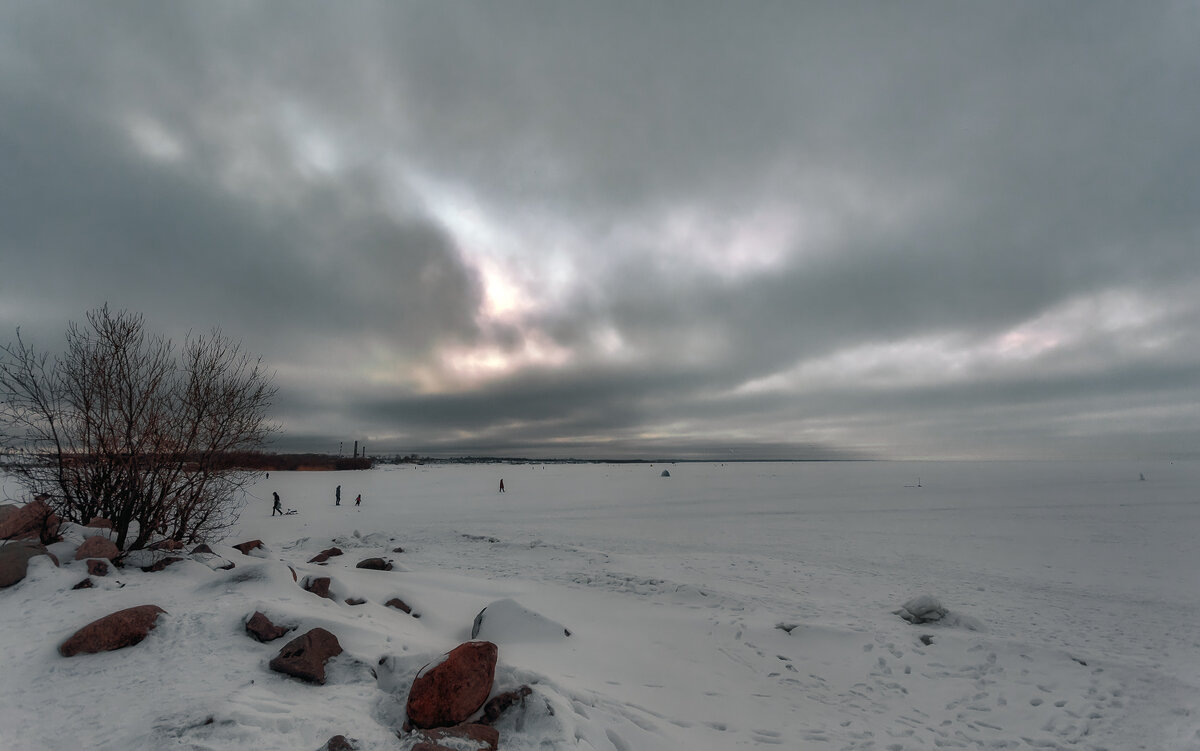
{"x": 723, "y": 230}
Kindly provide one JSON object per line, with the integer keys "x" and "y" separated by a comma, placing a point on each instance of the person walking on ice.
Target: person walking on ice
{"x": 337, "y": 496}
{"x": 501, "y": 484}
{"x": 358, "y": 500}
{"x": 278, "y": 506}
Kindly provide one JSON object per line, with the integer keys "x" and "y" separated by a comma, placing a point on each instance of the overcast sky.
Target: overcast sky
{"x": 555, "y": 228}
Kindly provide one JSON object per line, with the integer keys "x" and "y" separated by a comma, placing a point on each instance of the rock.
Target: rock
{"x": 171, "y": 545}
{"x": 14, "y": 560}
{"x": 246, "y": 547}
{"x": 123, "y": 628}
{"x": 922, "y": 609}
{"x": 160, "y": 564}
{"x": 99, "y": 523}
{"x": 28, "y": 521}
{"x": 85, "y": 584}
{"x": 501, "y": 702}
{"x": 375, "y": 564}
{"x": 397, "y": 550}
{"x": 355, "y": 601}
{"x": 202, "y": 548}
{"x": 97, "y": 567}
{"x": 325, "y": 555}
{"x": 399, "y": 604}
{"x": 665, "y": 473}
{"x": 468, "y": 735}
{"x": 319, "y": 586}
{"x": 97, "y": 547}
{"x": 304, "y": 657}
{"x": 507, "y": 621}
{"x": 260, "y": 627}
{"x": 212, "y": 560}
{"x": 339, "y": 743}
{"x": 144, "y": 557}
{"x": 450, "y": 691}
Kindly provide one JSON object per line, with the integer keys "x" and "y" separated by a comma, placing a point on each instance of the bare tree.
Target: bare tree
{"x": 124, "y": 426}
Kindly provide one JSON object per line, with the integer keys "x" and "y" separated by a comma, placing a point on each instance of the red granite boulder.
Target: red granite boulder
{"x": 375, "y": 564}
{"x": 14, "y": 560}
{"x": 325, "y": 555}
{"x": 318, "y": 585}
{"x": 260, "y": 627}
{"x": 97, "y": 547}
{"x": 450, "y": 691}
{"x": 304, "y": 657}
{"x": 123, "y": 628}
{"x": 161, "y": 563}
{"x": 97, "y": 567}
{"x": 246, "y": 547}
{"x": 501, "y": 702}
{"x": 32, "y": 521}
{"x": 339, "y": 743}
{"x": 399, "y": 604}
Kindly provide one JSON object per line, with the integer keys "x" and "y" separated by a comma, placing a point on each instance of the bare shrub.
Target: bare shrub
{"x": 125, "y": 426}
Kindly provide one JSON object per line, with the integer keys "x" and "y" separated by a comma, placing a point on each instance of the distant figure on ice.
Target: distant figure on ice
{"x": 358, "y": 500}
{"x": 501, "y": 484}
{"x": 278, "y": 506}
{"x": 337, "y": 496}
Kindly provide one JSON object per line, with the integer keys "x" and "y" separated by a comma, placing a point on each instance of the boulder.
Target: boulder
{"x": 260, "y": 627}
{"x": 922, "y": 609}
{"x": 507, "y": 621}
{"x": 339, "y": 743}
{"x": 97, "y": 547}
{"x": 14, "y": 560}
{"x": 97, "y": 567}
{"x": 203, "y": 548}
{"x": 85, "y": 584}
{"x": 304, "y": 657}
{"x": 399, "y": 604}
{"x": 468, "y": 735}
{"x": 246, "y": 547}
{"x": 501, "y": 702}
{"x": 318, "y": 585}
{"x": 99, "y": 523}
{"x": 28, "y": 521}
{"x": 375, "y": 564}
{"x": 212, "y": 560}
{"x": 171, "y": 545}
{"x": 665, "y": 473}
{"x": 123, "y": 628}
{"x": 161, "y": 563}
{"x": 450, "y": 691}
{"x": 355, "y": 601}
{"x": 325, "y": 555}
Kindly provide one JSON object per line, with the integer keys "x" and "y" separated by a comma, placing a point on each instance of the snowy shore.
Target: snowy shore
{"x": 726, "y": 606}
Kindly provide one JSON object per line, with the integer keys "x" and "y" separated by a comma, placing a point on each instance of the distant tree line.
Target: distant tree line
{"x": 263, "y": 462}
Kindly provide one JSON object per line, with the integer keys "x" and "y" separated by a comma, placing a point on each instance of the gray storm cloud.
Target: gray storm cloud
{"x": 555, "y": 228}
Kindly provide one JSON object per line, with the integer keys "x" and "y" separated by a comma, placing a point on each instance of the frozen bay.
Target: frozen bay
{"x": 728, "y": 605}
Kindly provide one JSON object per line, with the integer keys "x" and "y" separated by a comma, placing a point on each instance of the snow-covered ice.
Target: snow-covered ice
{"x": 725, "y": 606}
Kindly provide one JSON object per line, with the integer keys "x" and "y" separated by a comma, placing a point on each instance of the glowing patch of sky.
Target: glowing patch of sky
{"x": 1123, "y": 318}
{"x": 153, "y": 140}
